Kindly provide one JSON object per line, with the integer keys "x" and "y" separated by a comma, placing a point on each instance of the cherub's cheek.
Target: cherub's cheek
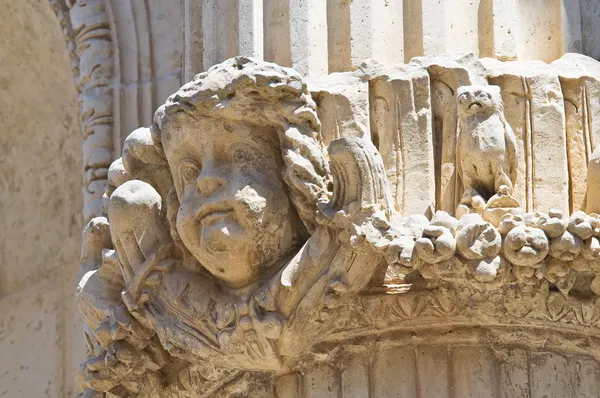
{"x": 186, "y": 215}
{"x": 250, "y": 202}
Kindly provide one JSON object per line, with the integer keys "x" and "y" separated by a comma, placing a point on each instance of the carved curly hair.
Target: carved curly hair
{"x": 244, "y": 89}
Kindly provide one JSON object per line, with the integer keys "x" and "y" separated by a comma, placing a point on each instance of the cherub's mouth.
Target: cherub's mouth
{"x": 477, "y": 104}
{"x": 212, "y": 210}
{"x": 527, "y": 250}
{"x": 215, "y": 215}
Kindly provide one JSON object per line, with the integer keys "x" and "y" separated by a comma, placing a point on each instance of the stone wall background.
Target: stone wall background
{"x": 156, "y": 46}
{"x": 40, "y": 204}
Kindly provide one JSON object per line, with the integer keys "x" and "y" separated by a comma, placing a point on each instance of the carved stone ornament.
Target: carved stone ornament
{"x": 243, "y": 242}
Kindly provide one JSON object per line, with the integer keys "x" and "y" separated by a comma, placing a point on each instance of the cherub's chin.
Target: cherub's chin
{"x": 220, "y": 236}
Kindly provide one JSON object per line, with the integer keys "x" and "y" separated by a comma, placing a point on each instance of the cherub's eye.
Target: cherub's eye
{"x": 240, "y": 156}
{"x": 189, "y": 171}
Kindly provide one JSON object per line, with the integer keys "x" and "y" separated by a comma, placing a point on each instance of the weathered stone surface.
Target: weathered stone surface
{"x": 40, "y": 183}
{"x": 400, "y": 110}
{"x": 534, "y": 107}
{"x": 31, "y": 336}
{"x": 240, "y": 247}
{"x": 40, "y": 205}
{"x": 342, "y": 105}
{"x": 334, "y": 320}
{"x": 580, "y": 82}
{"x": 590, "y": 23}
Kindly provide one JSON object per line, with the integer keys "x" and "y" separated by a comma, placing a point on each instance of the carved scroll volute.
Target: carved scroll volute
{"x": 342, "y": 256}
{"x": 360, "y": 208}
{"x": 359, "y": 175}
{"x": 361, "y": 195}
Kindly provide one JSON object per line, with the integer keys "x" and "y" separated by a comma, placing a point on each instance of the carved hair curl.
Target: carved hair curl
{"x": 243, "y": 89}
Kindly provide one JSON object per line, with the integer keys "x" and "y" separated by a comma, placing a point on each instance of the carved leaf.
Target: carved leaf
{"x": 587, "y": 314}
{"x": 176, "y": 285}
{"x": 556, "y": 306}
{"x": 411, "y": 306}
{"x": 446, "y": 303}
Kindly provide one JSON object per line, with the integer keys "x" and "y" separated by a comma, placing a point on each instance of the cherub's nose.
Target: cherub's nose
{"x": 209, "y": 183}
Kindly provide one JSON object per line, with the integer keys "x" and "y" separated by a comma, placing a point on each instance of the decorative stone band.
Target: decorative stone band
{"x": 526, "y": 249}
{"x": 531, "y": 273}
{"x": 86, "y": 29}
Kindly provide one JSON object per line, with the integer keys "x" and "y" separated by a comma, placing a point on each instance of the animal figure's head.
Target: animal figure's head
{"x": 479, "y": 100}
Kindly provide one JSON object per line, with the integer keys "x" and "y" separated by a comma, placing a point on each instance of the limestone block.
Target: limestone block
{"x": 221, "y": 36}
{"x": 339, "y": 40}
{"x": 571, "y": 27}
{"x": 462, "y": 26}
{"x": 539, "y": 30}
{"x": 592, "y": 204}
{"x": 342, "y": 105}
{"x": 401, "y": 120}
{"x": 295, "y": 34}
{"x": 447, "y": 74}
{"x": 220, "y": 29}
{"x": 193, "y": 39}
{"x": 425, "y": 28}
{"x": 128, "y": 96}
{"x": 433, "y": 27}
{"x": 514, "y": 374}
{"x": 322, "y": 381}
{"x": 432, "y": 364}
{"x": 550, "y": 376}
{"x": 355, "y": 377}
{"x": 167, "y": 45}
{"x": 580, "y": 83}
{"x": 148, "y": 61}
{"x": 587, "y": 377}
{"x": 276, "y": 28}
{"x": 534, "y": 108}
{"x": 394, "y": 373}
{"x": 32, "y": 342}
{"x": 590, "y": 26}
{"x": 376, "y": 31}
{"x": 473, "y": 372}
{"x": 250, "y": 21}
{"x": 289, "y": 386}
{"x": 308, "y": 29}
{"x": 498, "y": 29}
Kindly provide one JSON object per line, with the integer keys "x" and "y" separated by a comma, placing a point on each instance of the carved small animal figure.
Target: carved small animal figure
{"x": 487, "y": 146}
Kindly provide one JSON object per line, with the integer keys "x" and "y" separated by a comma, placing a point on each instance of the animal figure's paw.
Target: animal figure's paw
{"x": 504, "y": 190}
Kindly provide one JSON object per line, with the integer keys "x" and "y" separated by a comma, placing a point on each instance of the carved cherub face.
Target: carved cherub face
{"x": 526, "y": 246}
{"x": 235, "y": 216}
{"x": 472, "y": 100}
